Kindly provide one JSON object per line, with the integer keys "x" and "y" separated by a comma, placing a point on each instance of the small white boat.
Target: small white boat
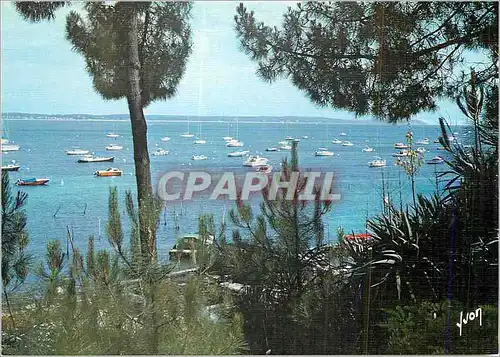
{"x": 343, "y": 134}
{"x": 400, "y": 146}
{"x": 323, "y": 153}
{"x": 423, "y": 142}
{"x": 272, "y": 149}
{"x": 113, "y": 135}
{"x": 305, "y": 137}
{"x": 296, "y": 140}
{"x": 265, "y": 169}
{"x": 199, "y": 157}
{"x": 227, "y": 138}
{"x": 440, "y": 148}
{"x": 285, "y": 147}
{"x": 420, "y": 150}
{"x": 336, "y": 141}
{"x": 200, "y": 141}
{"x": 234, "y": 144}
{"x": 10, "y": 147}
{"x": 160, "y": 152}
{"x": 76, "y": 151}
{"x": 283, "y": 142}
{"x": 238, "y": 153}
{"x": 288, "y": 138}
{"x": 347, "y": 143}
{"x": 254, "y": 161}
{"x": 378, "y": 162}
{"x": 436, "y": 141}
{"x": 187, "y": 135}
{"x": 401, "y": 153}
{"x": 435, "y": 160}
{"x": 165, "y": 138}
{"x": 114, "y": 147}
{"x": 10, "y": 167}
{"x": 368, "y": 149}
{"x": 91, "y": 158}
{"x": 322, "y": 149}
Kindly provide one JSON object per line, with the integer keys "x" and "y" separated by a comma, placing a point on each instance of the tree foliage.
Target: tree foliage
{"x": 15, "y": 260}
{"x": 391, "y": 59}
{"x": 164, "y": 39}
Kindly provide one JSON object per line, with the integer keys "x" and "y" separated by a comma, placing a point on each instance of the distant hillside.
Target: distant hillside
{"x": 174, "y": 118}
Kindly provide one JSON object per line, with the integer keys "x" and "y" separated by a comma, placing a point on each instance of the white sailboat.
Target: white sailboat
{"x": 227, "y": 138}
{"x": 234, "y": 142}
{"x": 165, "y": 138}
{"x": 199, "y": 140}
{"x": 188, "y": 133}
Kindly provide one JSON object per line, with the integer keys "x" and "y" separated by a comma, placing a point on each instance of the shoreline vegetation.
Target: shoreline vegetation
{"x": 272, "y": 285}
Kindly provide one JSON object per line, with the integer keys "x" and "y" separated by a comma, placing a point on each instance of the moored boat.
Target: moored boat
{"x": 285, "y": 147}
{"x": 165, "y": 138}
{"x": 272, "y": 149}
{"x": 368, "y": 149}
{"x": 254, "y": 161}
{"x": 423, "y": 142}
{"x": 200, "y": 141}
{"x": 10, "y": 147}
{"x": 76, "y": 151}
{"x": 435, "y": 160}
{"x": 234, "y": 143}
{"x": 336, "y": 141}
{"x": 265, "y": 169}
{"x": 238, "y": 153}
{"x": 400, "y": 146}
{"x": 160, "y": 152}
{"x": 347, "y": 143}
{"x": 343, "y": 134}
{"x": 10, "y": 167}
{"x": 113, "y": 135}
{"x": 323, "y": 153}
{"x": 91, "y": 158}
{"x": 377, "y": 162}
{"x": 114, "y": 147}
{"x": 112, "y": 171}
{"x": 199, "y": 157}
{"x": 401, "y": 153}
{"x": 187, "y": 135}
{"x": 32, "y": 182}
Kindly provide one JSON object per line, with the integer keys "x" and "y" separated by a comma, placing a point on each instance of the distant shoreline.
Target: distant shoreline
{"x": 205, "y": 119}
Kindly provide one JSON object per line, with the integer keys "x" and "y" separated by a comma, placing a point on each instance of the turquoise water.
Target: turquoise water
{"x": 81, "y": 199}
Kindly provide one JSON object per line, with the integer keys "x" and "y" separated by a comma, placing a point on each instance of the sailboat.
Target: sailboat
{"x": 112, "y": 134}
{"x": 227, "y": 138}
{"x": 187, "y": 134}
{"x": 235, "y": 142}
{"x": 199, "y": 140}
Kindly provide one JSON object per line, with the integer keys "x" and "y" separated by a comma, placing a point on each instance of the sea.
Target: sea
{"x": 76, "y": 201}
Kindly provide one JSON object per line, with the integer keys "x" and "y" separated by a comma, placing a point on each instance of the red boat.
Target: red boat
{"x": 32, "y": 182}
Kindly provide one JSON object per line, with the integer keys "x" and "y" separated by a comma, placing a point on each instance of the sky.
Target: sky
{"x": 41, "y": 73}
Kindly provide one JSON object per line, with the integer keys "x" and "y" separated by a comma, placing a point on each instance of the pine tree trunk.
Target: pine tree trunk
{"x": 139, "y": 137}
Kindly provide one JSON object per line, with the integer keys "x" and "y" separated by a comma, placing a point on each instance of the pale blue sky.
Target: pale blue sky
{"x": 41, "y": 74}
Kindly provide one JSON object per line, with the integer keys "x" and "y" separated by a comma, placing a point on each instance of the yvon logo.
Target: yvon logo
{"x": 471, "y": 316}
